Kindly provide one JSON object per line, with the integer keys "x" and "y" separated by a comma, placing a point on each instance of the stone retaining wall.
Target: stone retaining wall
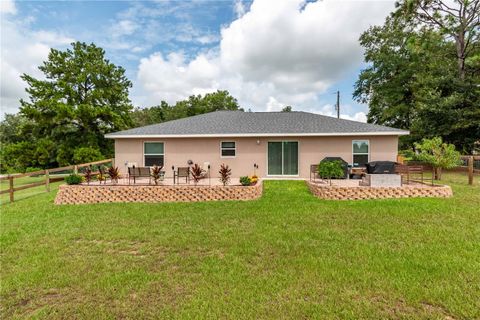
{"x": 360, "y": 192}
{"x": 82, "y": 194}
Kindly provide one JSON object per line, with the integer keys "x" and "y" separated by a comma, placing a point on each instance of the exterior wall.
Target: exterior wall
{"x": 252, "y": 150}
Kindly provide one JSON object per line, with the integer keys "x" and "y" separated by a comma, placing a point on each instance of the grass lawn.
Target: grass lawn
{"x": 287, "y": 255}
{"x": 22, "y": 194}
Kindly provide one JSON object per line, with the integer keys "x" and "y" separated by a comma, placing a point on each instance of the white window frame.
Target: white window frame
{"x": 360, "y": 154}
{"x": 234, "y": 149}
{"x": 298, "y": 160}
{"x": 153, "y": 154}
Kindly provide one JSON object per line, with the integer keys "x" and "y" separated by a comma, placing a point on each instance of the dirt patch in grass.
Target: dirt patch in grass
{"x": 36, "y": 301}
{"x": 113, "y": 247}
{"x": 437, "y": 310}
{"x": 199, "y": 253}
{"x": 399, "y": 308}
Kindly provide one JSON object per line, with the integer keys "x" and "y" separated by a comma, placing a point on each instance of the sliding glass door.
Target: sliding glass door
{"x": 283, "y": 158}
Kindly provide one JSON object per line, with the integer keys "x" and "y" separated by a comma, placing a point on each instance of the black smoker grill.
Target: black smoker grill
{"x": 344, "y": 164}
{"x": 379, "y": 167}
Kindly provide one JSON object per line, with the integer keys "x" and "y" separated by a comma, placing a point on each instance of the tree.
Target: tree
{"x": 83, "y": 97}
{"x": 438, "y": 154}
{"x": 287, "y": 109}
{"x": 17, "y": 157}
{"x": 14, "y": 128}
{"x": 86, "y": 154}
{"x": 459, "y": 20}
{"x": 194, "y": 105}
{"x": 20, "y": 149}
{"x": 330, "y": 169}
{"x": 412, "y": 82}
{"x": 146, "y": 116}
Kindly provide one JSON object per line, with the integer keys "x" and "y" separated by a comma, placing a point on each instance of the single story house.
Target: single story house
{"x": 279, "y": 144}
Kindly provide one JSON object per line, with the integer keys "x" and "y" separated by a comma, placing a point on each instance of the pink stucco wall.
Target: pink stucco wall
{"x": 252, "y": 150}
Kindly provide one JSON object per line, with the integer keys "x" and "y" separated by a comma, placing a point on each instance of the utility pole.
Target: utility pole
{"x": 337, "y": 106}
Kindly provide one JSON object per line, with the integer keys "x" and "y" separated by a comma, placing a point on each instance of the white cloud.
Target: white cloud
{"x": 8, "y": 7}
{"x": 359, "y": 116}
{"x": 274, "y": 105}
{"x": 206, "y": 39}
{"x": 329, "y": 110}
{"x": 124, "y": 27}
{"x": 239, "y": 8}
{"x": 173, "y": 79}
{"x": 278, "y": 53}
{"x": 22, "y": 51}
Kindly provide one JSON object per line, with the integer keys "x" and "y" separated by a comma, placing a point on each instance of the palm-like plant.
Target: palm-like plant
{"x": 225, "y": 173}
{"x": 114, "y": 174}
{"x": 101, "y": 175}
{"x": 88, "y": 174}
{"x": 156, "y": 173}
{"x": 197, "y": 173}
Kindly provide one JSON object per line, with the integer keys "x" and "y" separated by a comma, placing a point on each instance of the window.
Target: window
{"x": 153, "y": 153}
{"x": 227, "y": 149}
{"x": 361, "y": 151}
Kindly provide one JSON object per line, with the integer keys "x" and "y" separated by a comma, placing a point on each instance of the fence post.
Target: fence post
{"x": 47, "y": 181}
{"x": 75, "y": 169}
{"x": 470, "y": 170}
{"x": 113, "y": 162}
{"x": 10, "y": 182}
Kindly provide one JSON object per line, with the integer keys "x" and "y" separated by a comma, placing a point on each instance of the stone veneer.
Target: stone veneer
{"x": 361, "y": 192}
{"x": 82, "y": 194}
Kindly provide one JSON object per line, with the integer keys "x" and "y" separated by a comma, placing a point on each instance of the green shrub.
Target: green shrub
{"x": 330, "y": 169}
{"x": 86, "y": 154}
{"x": 408, "y": 154}
{"x": 245, "y": 181}
{"x": 74, "y": 179}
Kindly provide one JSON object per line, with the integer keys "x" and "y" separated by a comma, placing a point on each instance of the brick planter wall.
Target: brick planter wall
{"x": 82, "y": 194}
{"x": 359, "y": 193}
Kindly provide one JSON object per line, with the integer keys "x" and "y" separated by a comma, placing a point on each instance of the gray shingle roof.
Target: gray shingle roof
{"x": 231, "y": 123}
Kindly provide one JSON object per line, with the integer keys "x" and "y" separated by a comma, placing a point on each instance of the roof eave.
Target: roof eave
{"x": 241, "y": 135}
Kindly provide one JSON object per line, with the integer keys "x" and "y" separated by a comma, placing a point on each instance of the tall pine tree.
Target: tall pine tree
{"x": 82, "y": 97}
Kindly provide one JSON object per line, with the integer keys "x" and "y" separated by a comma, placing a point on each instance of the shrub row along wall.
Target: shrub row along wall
{"x": 359, "y": 193}
{"x": 82, "y": 194}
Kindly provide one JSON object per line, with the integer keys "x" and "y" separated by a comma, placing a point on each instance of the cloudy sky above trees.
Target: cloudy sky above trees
{"x": 267, "y": 53}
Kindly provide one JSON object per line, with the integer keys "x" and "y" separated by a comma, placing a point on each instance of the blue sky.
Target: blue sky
{"x": 267, "y": 53}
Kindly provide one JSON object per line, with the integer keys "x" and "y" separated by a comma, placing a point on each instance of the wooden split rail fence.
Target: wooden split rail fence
{"x": 471, "y": 169}
{"x": 11, "y": 189}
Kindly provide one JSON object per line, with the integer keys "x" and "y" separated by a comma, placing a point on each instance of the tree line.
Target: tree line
{"x": 423, "y": 75}
{"x": 423, "y": 71}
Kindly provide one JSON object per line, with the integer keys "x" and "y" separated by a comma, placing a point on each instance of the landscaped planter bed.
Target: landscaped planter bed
{"x": 328, "y": 192}
{"x": 83, "y": 194}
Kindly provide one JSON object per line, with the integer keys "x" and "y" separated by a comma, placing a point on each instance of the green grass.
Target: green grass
{"x": 26, "y": 193}
{"x": 287, "y": 255}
